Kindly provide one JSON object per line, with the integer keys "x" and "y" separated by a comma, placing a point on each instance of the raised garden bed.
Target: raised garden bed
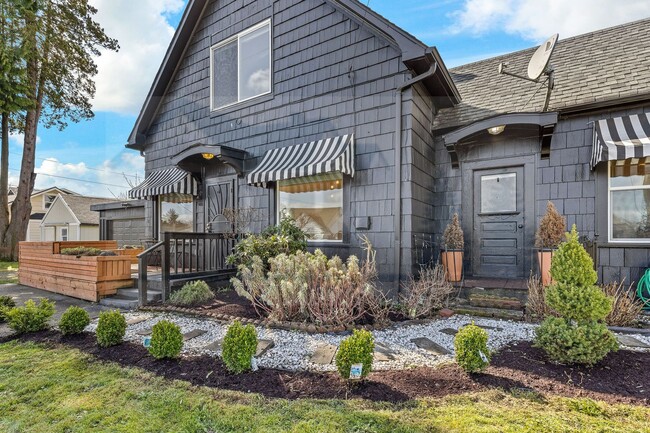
{"x": 89, "y": 278}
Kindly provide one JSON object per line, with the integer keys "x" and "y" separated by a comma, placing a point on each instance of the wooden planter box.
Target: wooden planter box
{"x": 132, "y": 253}
{"x": 89, "y": 278}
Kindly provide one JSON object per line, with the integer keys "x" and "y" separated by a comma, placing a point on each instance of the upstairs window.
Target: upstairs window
{"x": 241, "y": 67}
{"x": 48, "y": 200}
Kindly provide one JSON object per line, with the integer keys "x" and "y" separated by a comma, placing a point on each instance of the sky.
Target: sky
{"x": 90, "y": 158}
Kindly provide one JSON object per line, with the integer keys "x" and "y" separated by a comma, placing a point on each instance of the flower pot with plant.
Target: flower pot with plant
{"x": 452, "y": 255}
{"x": 550, "y": 234}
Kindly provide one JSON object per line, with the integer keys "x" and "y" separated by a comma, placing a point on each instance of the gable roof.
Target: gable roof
{"x": 605, "y": 67}
{"x": 80, "y": 207}
{"x": 53, "y": 188}
{"x": 413, "y": 55}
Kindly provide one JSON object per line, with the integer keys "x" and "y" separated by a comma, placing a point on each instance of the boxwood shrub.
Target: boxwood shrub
{"x": 30, "y": 317}
{"x": 74, "y": 320}
{"x": 6, "y": 304}
{"x": 166, "y": 340}
{"x": 239, "y": 346}
{"x": 110, "y": 328}
{"x": 470, "y": 342}
{"x": 356, "y": 349}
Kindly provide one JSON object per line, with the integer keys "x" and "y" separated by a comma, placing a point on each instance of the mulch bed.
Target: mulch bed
{"x": 621, "y": 378}
{"x": 230, "y": 303}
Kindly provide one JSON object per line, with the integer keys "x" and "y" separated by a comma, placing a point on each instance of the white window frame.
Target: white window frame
{"x": 64, "y": 234}
{"x": 229, "y": 40}
{"x": 314, "y": 241}
{"x": 610, "y": 221}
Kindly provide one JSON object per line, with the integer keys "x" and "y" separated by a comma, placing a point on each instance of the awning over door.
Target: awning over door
{"x": 167, "y": 181}
{"x": 621, "y": 138}
{"x": 307, "y": 159}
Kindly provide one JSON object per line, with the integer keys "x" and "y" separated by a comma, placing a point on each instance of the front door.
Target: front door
{"x": 220, "y": 195}
{"x": 498, "y": 242}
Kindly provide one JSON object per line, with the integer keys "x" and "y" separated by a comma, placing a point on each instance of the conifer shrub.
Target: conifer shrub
{"x": 453, "y": 235}
{"x": 469, "y": 344}
{"x": 239, "y": 346}
{"x": 356, "y": 349}
{"x": 551, "y": 228}
{"x": 30, "y": 317}
{"x": 579, "y": 335}
{"x": 74, "y": 320}
{"x": 6, "y": 304}
{"x": 166, "y": 340}
{"x": 191, "y": 294}
{"x": 110, "y": 328}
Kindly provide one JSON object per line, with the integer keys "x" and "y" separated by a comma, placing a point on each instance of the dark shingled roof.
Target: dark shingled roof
{"x": 594, "y": 68}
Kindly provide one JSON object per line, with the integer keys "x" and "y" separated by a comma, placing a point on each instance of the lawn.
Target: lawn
{"x": 62, "y": 390}
{"x": 8, "y": 273}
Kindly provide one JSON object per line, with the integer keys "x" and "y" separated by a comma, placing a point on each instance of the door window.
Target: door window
{"x": 499, "y": 193}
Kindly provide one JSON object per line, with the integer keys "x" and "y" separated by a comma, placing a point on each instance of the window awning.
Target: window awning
{"x": 307, "y": 159}
{"x": 621, "y": 138}
{"x": 167, "y": 181}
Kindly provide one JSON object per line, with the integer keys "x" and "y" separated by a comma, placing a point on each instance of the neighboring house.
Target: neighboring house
{"x": 41, "y": 202}
{"x": 122, "y": 221}
{"x": 587, "y": 153}
{"x": 69, "y": 218}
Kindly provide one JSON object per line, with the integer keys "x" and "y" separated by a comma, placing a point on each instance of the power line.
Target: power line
{"x": 77, "y": 179}
{"x": 70, "y": 163}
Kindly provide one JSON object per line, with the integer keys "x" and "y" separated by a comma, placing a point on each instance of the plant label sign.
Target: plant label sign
{"x": 355, "y": 371}
{"x": 146, "y": 342}
{"x": 483, "y": 357}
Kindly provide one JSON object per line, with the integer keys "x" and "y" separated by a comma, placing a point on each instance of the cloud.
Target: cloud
{"x": 18, "y": 139}
{"x": 536, "y": 20}
{"x": 143, "y": 32}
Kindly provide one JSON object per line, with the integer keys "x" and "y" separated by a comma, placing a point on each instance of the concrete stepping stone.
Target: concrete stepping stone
{"x": 215, "y": 346}
{"x": 430, "y": 346}
{"x": 383, "y": 353}
{"x": 135, "y": 320}
{"x": 263, "y": 346}
{"x": 449, "y": 331}
{"x": 144, "y": 331}
{"x": 193, "y": 334}
{"x": 324, "y": 354}
{"x": 6, "y": 331}
{"x": 487, "y": 327}
{"x": 628, "y": 341}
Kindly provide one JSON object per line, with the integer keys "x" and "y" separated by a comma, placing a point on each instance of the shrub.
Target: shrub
{"x": 626, "y": 307}
{"x": 470, "y": 342}
{"x": 426, "y": 294}
{"x": 110, "y": 328}
{"x": 81, "y": 251}
{"x": 453, "y": 235}
{"x": 166, "y": 340}
{"x": 536, "y": 306}
{"x": 285, "y": 238}
{"x": 30, "y": 317}
{"x": 578, "y": 335}
{"x": 74, "y": 320}
{"x": 552, "y": 227}
{"x": 356, "y": 349}
{"x": 239, "y": 346}
{"x": 6, "y": 304}
{"x": 192, "y": 293}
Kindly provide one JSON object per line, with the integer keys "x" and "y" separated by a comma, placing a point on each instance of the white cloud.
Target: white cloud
{"x": 143, "y": 33}
{"x": 538, "y": 19}
{"x": 19, "y": 139}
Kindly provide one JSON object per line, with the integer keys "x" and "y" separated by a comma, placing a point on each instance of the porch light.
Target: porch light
{"x": 207, "y": 156}
{"x": 496, "y": 130}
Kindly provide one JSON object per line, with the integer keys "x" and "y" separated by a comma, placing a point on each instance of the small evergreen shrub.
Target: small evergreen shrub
{"x": 6, "y": 304}
{"x": 81, "y": 251}
{"x": 166, "y": 340}
{"x": 110, "y": 328}
{"x": 74, "y": 320}
{"x": 453, "y": 235}
{"x": 239, "y": 346}
{"x": 551, "y": 228}
{"x": 356, "y": 349}
{"x": 470, "y": 342}
{"x": 579, "y": 334}
{"x": 191, "y": 294}
{"x": 30, "y": 317}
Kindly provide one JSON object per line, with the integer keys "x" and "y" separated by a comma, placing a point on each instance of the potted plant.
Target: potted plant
{"x": 550, "y": 234}
{"x": 452, "y": 256}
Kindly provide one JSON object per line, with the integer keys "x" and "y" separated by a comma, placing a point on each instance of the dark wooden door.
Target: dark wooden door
{"x": 498, "y": 239}
{"x": 220, "y": 194}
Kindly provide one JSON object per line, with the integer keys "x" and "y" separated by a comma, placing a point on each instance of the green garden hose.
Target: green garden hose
{"x": 643, "y": 289}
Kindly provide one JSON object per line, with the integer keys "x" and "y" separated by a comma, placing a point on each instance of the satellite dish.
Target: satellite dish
{"x": 539, "y": 62}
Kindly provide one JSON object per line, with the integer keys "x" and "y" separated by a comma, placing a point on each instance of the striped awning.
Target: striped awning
{"x": 307, "y": 159}
{"x": 167, "y": 181}
{"x": 621, "y": 138}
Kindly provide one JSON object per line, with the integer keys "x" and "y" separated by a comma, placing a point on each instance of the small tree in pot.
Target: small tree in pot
{"x": 549, "y": 236}
{"x": 452, "y": 256}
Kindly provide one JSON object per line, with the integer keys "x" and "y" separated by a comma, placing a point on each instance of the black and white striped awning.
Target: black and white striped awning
{"x": 167, "y": 181}
{"x": 621, "y": 138}
{"x": 307, "y": 159}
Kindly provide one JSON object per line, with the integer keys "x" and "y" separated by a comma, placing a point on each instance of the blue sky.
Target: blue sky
{"x": 89, "y": 157}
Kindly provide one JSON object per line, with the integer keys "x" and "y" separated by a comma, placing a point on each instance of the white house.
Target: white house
{"x": 69, "y": 218}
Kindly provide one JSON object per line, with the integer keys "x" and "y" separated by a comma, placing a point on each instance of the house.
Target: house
{"x": 325, "y": 110}
{"x": 41, "y": 201}
{"x": 122, "y": 221}
{"x": 586, "y": 153}
{"x": 69, "y": 218}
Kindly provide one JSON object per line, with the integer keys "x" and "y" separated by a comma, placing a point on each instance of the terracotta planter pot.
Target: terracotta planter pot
{"x": 452, "y": 261}
{"x": 544, "y": 258}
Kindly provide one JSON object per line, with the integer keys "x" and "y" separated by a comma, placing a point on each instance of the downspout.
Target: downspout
{"x": 433, "y": 67}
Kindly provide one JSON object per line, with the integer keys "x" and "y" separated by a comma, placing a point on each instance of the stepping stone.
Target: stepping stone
{"x": 492, "y": 328}
{"x": 628, "y": 341}
{"x": 135, "y": 320}
{"x": 193, "y": 334}
{"x": 324, "y": 354}
{"x": 383, "y": 353}
{"x": 6, "y": 331}
{"x": 263, "y": 346}
{"x": 449, "y": 331}
{"x": 430, "y": 346}
{"x": 145, "y": 331}
{"x": 215, "y": 346}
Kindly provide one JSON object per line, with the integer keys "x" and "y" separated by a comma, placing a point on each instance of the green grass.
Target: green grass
{"x": 63, "y": 390}
{"x": 6, "y": 267}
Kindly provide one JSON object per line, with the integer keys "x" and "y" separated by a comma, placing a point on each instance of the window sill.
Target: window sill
{"x": 623, "y": 245}
{"x": 241, "y": 105}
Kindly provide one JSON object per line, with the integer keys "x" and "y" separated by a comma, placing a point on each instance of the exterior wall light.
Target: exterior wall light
{"x": 207, "y": 156}
{"x": 496, "y": 130}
